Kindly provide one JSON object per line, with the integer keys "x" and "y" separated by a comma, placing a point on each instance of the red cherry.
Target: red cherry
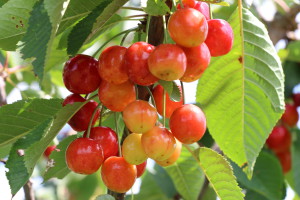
{"x": 280, "y": 139}
{"x": 80, "y": 121}
{"x": 136, "y": 59}
{"x": 118, "y": 175}
{"x": 187, "y": 4}
{"x": 84, "y": 156}
{"x": 141, "y": 169}
{"x": 80, "y": 74}
{"x": 198, "y": 59}
{"x": 203, "y": 8}
{"x": 188, "y": 27}
{"x": 167, "y": 62}
{"x": 107, "y": 140}
{"x": 188, "y": 123}
{"x": 112, "y": 65}
{"x": 158, "y": 94}
{"x": 296, "y": 98}
{"x": 220, "y": 37}
{"x": 285, "y": 160}
{"x": 49, "y": 150}
{"x": 290, "y": 115}
{"x": 116, "y": 97}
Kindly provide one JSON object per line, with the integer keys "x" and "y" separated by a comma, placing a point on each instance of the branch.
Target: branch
{"x": 28, "y": 190}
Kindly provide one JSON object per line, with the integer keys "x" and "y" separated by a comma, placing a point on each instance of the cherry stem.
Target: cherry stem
{"x": 134, "y": 16}
{"x": 5, "y": 66}
{"x": 174, "y": 4}
{"x": 119, "y": 141}
{"x": 100, "y": 116}
{"x": 92, "y": 119}
{"x": 181, "y": 4}
{"x": 151, "y": 95}
{"x": 124, "y": 38}
{"x": 182, "y": 90}
{"x": 164, "y": 108}
{"x": 210, "y": 11}
{"x": 92, "y": 97}
{"x": 131, "y": 8}
{"x": 147, "y": 28}
{"x": 165, "y": 29}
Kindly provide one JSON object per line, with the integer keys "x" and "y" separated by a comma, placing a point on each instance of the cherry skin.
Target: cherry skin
{"x": 112, "y": 65}
{"x": 290, "y": 115}
{"x": 49, "y": 150}
{"x": 188, "y": 123}
{"x": 139, "y": 116}
{"x": 84, "y": 156}
{"x": 118, "y": 175}
{"x": 136, "y": 60}
{"x": 296, "y": 98}
{"x": 285, "y": 160}
{"x": 80, "y": 74}
{"x": 167, "y": 62}
{"x": 158, "y": 143}
{"x": 220, "y": 37}
{"x": 141, "y": 169}
{"x": 80, "y": 121}
{"x": 173, "y": 158}
{"x": 188, "y": 27}
{"x": 116, "y": 97}
{"x": 107, "y": 140}
{"x": 132, "y": 149}
{"x": 198, "y": 5}
{"x": 158, "y": 94}
{"x": 280, "y": 139}
{"x": 198, "y": 59}
{"x": 187, "y": 4}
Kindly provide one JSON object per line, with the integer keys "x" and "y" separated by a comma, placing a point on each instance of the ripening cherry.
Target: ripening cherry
{"x": 118, "y": 175}
{"x": 107, "y": 140}
{"x": 116, "y": 97}
{"x": 158, "y": 94}
{"x": 84, "y": 156}
{"x": 80, "y": 121}
{"x": 49, "y": 150}
{"x": 198, "y": 59}
{"x": 198, "y": 5}
{"x": 132, "y": 149}
{"x": 139, "y": 116}
{"x": 173, "y": 158}
{"x": 187, "y": 4}
{"x": 158, "y": 143}
{"x": 188, "y": 123}
{"x": 290, "y": 115}
{"x": 296, "y": 98}
{"x": 136, "y": 60}
{"x": 285, "y": 160}
{"x": 80, "y": 74}
{"x": 188, "y": 27}
{"x": 280, "y": 139}
{"x": 112, "y": 65}
{"x": 220, "y": 37}
{"x": 141, "y": 169}
{"x": 167, "y": 62}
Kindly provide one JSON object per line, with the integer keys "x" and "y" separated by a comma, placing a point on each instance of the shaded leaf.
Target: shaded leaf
{"x": 156, "y": 7}
{"x": 296, "y": 163}
{"x": 172, "y": 89}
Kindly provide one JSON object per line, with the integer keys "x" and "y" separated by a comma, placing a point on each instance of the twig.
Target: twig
{"x": 28, "y": 190}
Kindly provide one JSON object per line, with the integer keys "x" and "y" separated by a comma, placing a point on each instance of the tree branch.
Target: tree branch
{"x": 28, "y": 190}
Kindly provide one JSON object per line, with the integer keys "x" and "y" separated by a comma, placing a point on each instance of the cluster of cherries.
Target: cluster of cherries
{"x": 280, "y": 139}
{"x": 115, "y": 75}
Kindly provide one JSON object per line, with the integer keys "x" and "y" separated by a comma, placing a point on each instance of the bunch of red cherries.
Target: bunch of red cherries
{"x": 280, "y": 139}
{"x": 115, "y": 75}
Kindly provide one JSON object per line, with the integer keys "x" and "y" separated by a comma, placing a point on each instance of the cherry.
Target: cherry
{"x": 280, "y": 139}
{"x": 198, "y": 59}
{"x": 296, "y": 98}
{"x": 173, "y": 158}
{"x": 158, "y": 94}
{"x": 80, "y": 74}
{"x": 132, "y": 149}
{"x": 118, "y": 175}
{"x": 107, "y": 140}
{"x": 220, "y": 37}
{"x": 290, "y": 115}
{"x": 116, "y": 97}
{"x": 198, "y": 5}
{"x": 167, "y": 62}
{"x": 112, "y": 65}
{"x": 136, "y": 60}
{"x": 187, "y": 4}
{"x": 80, "y": 121}
{"x": 188, "y": 123}
{"x": 188, "y": 27}
{"x": 49, "y": 150}
{"x": 84, "y": 156}
{"x": 158, "y": 143}
{"x": 139, "y": 116}
{"x": 285, "y": 160}
{"x": 141, "y": 169}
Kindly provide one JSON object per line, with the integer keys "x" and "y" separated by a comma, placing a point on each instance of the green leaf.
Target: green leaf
{"x": 292, "y": 77}
{"x": 187, "y": 175}
{"x": 94, "y": 22}
{"x": 105, "y": 197}
{"x": 4, "y": 151}
{"x": 219, "y": 173}
{"x": 156, "y": 7}
{"x": 292, "y": 51}
{"x": 241, "y": 93}
{"x": 14, "y": 17}
{"x": 296, "y": 163}
{"x": 267, "y": 179}
{"x": 250, "y": 195}
{"x": 171, "y": 88}
{"x": 58, "y": 167}
{"x": 38, "y": 41}
{"x": 209, "y": 194}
